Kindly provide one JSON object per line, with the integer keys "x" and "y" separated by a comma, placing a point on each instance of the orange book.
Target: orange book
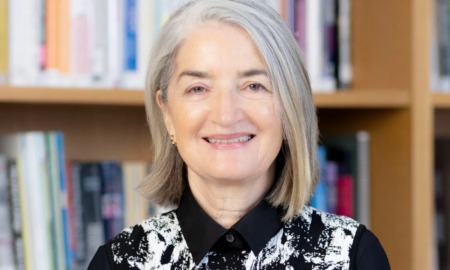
{"x": 52, "y": 34}
{"x": 64, "y": 36}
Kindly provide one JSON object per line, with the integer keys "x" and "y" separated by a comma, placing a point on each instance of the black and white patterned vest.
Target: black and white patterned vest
{"x": 310, "y": 240}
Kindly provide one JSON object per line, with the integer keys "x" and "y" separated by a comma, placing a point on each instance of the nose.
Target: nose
{"x": 227, "y": 107}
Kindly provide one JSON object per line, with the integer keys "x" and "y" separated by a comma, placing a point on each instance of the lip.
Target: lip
{"x": 229, "y": 141}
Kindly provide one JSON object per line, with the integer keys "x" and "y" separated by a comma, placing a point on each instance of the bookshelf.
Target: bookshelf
{"x": 389, "y": 97}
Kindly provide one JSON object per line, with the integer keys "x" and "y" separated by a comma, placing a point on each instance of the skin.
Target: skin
{"x": 222, "y": 113}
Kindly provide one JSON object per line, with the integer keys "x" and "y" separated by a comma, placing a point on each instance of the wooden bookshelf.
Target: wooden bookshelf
{"x": 42, "y": 95}
{"x": 441, "y": 100}
{"x": 389, "y": 97}
{"x": 71, "y": 96}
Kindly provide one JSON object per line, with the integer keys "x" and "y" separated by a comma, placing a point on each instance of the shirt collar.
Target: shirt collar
{"x": 201, "y": 232}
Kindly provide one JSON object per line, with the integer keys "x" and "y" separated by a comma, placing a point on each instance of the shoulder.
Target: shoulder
{"x": 328, "y": 239}
{"x": 324, "y": 221}
{"x": 131, "y": 248}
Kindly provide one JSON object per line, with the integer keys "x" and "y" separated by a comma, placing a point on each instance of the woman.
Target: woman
{"x": 234, "y": 135}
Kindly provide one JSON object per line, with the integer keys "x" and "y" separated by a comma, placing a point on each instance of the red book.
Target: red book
{"x": 345, "y": 195}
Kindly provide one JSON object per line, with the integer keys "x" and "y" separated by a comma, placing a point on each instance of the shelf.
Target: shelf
{"x": 441, "y": 100}
{"x": 363, "y": 99}
{"x": 339, "y": 99}
{"x": 25, "y": 95}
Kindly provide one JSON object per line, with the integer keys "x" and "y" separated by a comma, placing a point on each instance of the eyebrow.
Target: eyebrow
{"x": 241, "y": 74}
{"x": 253, "y": 72}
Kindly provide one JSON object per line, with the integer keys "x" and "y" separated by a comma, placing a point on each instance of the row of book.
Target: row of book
{"x": 442, "y": 204}
{"x": 344, "y": 176}
{"x": 54, "y": 213}
{"x": 106, "y": 43}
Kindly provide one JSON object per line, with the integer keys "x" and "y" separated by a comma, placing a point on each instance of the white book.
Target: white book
{"x": 115, "y": 39}
{"x": 314, "y": 47}
{"x": 32, "y": 151}
{"x": 81, "y": 36}
{"x": 345, "y": 44}
{"x": 99, "y": 54}
{"x": 10, "y": 146}
{"x": 24, "y": 42}
{"x": 146, "y": 32}
{"x": 6, "y": 238}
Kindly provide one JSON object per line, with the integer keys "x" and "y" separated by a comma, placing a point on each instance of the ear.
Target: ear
{"x": 166, "y": 113}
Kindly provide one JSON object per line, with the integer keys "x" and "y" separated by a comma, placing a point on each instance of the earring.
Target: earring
{"x": 172, "y": 140}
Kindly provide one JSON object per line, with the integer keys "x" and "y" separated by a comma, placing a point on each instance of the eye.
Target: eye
{"x": 256, "y": 87}
{"x": 196, "y": 89}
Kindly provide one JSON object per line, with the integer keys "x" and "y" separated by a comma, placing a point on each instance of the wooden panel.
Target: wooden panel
{"x": 36, "y": 95}
{"x": 422, "y": 156}
{"x": 362, "y": 99}
{"x": 91, "y": 132}
{"x": 441, "y": 100}
{"x": 390, "y": 173}
{"x": 381, "y": 44}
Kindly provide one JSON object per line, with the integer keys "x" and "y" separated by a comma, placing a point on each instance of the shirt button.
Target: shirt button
{"x": 229, "y": 237}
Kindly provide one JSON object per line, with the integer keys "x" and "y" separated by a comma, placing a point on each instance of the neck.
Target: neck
{"x": 227, "y": 202}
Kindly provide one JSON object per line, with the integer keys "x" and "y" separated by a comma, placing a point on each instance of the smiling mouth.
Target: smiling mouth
{"x": 231, "y": 140}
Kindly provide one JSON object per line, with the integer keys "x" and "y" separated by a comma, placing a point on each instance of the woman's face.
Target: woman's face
{"x": 221, "y": 107}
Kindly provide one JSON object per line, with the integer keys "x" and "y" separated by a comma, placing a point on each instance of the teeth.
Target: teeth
{"x": 234, "y": 140}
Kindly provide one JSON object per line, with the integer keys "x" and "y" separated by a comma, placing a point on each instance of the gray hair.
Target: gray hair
{"x": 297, "y": 161}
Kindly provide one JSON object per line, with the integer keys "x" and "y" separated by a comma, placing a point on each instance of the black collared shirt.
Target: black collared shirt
{"x": 188, "y": 238}
{"x": 203, "y": 234}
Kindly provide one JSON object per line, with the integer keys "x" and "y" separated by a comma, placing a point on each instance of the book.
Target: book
{"x": 14, "y": 182}
{"x": 4, "y": 65}
{"x": 112, "y": 198}
{"x": 137, "y": 208}
{"x": 320, "y": 198}
{"x": 6, "y": 232}
{"x": 92, "y": 218}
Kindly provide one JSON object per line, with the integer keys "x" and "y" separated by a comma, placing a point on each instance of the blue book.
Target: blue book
{"x": 63, "y": 192}
{"x": 320, "y": 198}
{"x": 130, "y": 31}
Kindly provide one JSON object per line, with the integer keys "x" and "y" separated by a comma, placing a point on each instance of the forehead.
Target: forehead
{"x": 220, "y": 40}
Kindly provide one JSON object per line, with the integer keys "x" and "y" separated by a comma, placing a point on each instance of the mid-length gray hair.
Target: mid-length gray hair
{"x": 296, "y": 162}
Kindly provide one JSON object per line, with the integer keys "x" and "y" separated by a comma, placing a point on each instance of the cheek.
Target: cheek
{"x": 187, "y": 118}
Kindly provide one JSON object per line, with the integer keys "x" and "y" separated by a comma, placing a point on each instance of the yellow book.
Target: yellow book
{"x": 3, "y": 41}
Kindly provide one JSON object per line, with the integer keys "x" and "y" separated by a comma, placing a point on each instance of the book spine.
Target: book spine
{"x": 345, "y": 76}
{"x": 91, "y": 196}
{"x": 332, "y": 174}
{"x": 363, "y": 206}
{"x": 81, "y": 28}
{"x": 300, "y": 27}
{"x": 320, "y": 198}
{"x": 130, "y": 38}
{"x": 345, "y": 195}
{"x": 4, "y": 37}
{"x": 15, "y": 213}
{"x": 37, "y": 185}
{"x": 115, "y": 42}
{"x": 100, "y": 46}
{"x": 79, "y": 243}
{"x": 66, "y": 258}
{"x": 70, "y": 215}
{"x": 6, "y": 237}
{"x": 112, "y": 198}
{"x": 53, "y": 188}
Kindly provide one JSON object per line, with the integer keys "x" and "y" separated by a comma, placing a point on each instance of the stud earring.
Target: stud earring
{"x": 172, "y": 140}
